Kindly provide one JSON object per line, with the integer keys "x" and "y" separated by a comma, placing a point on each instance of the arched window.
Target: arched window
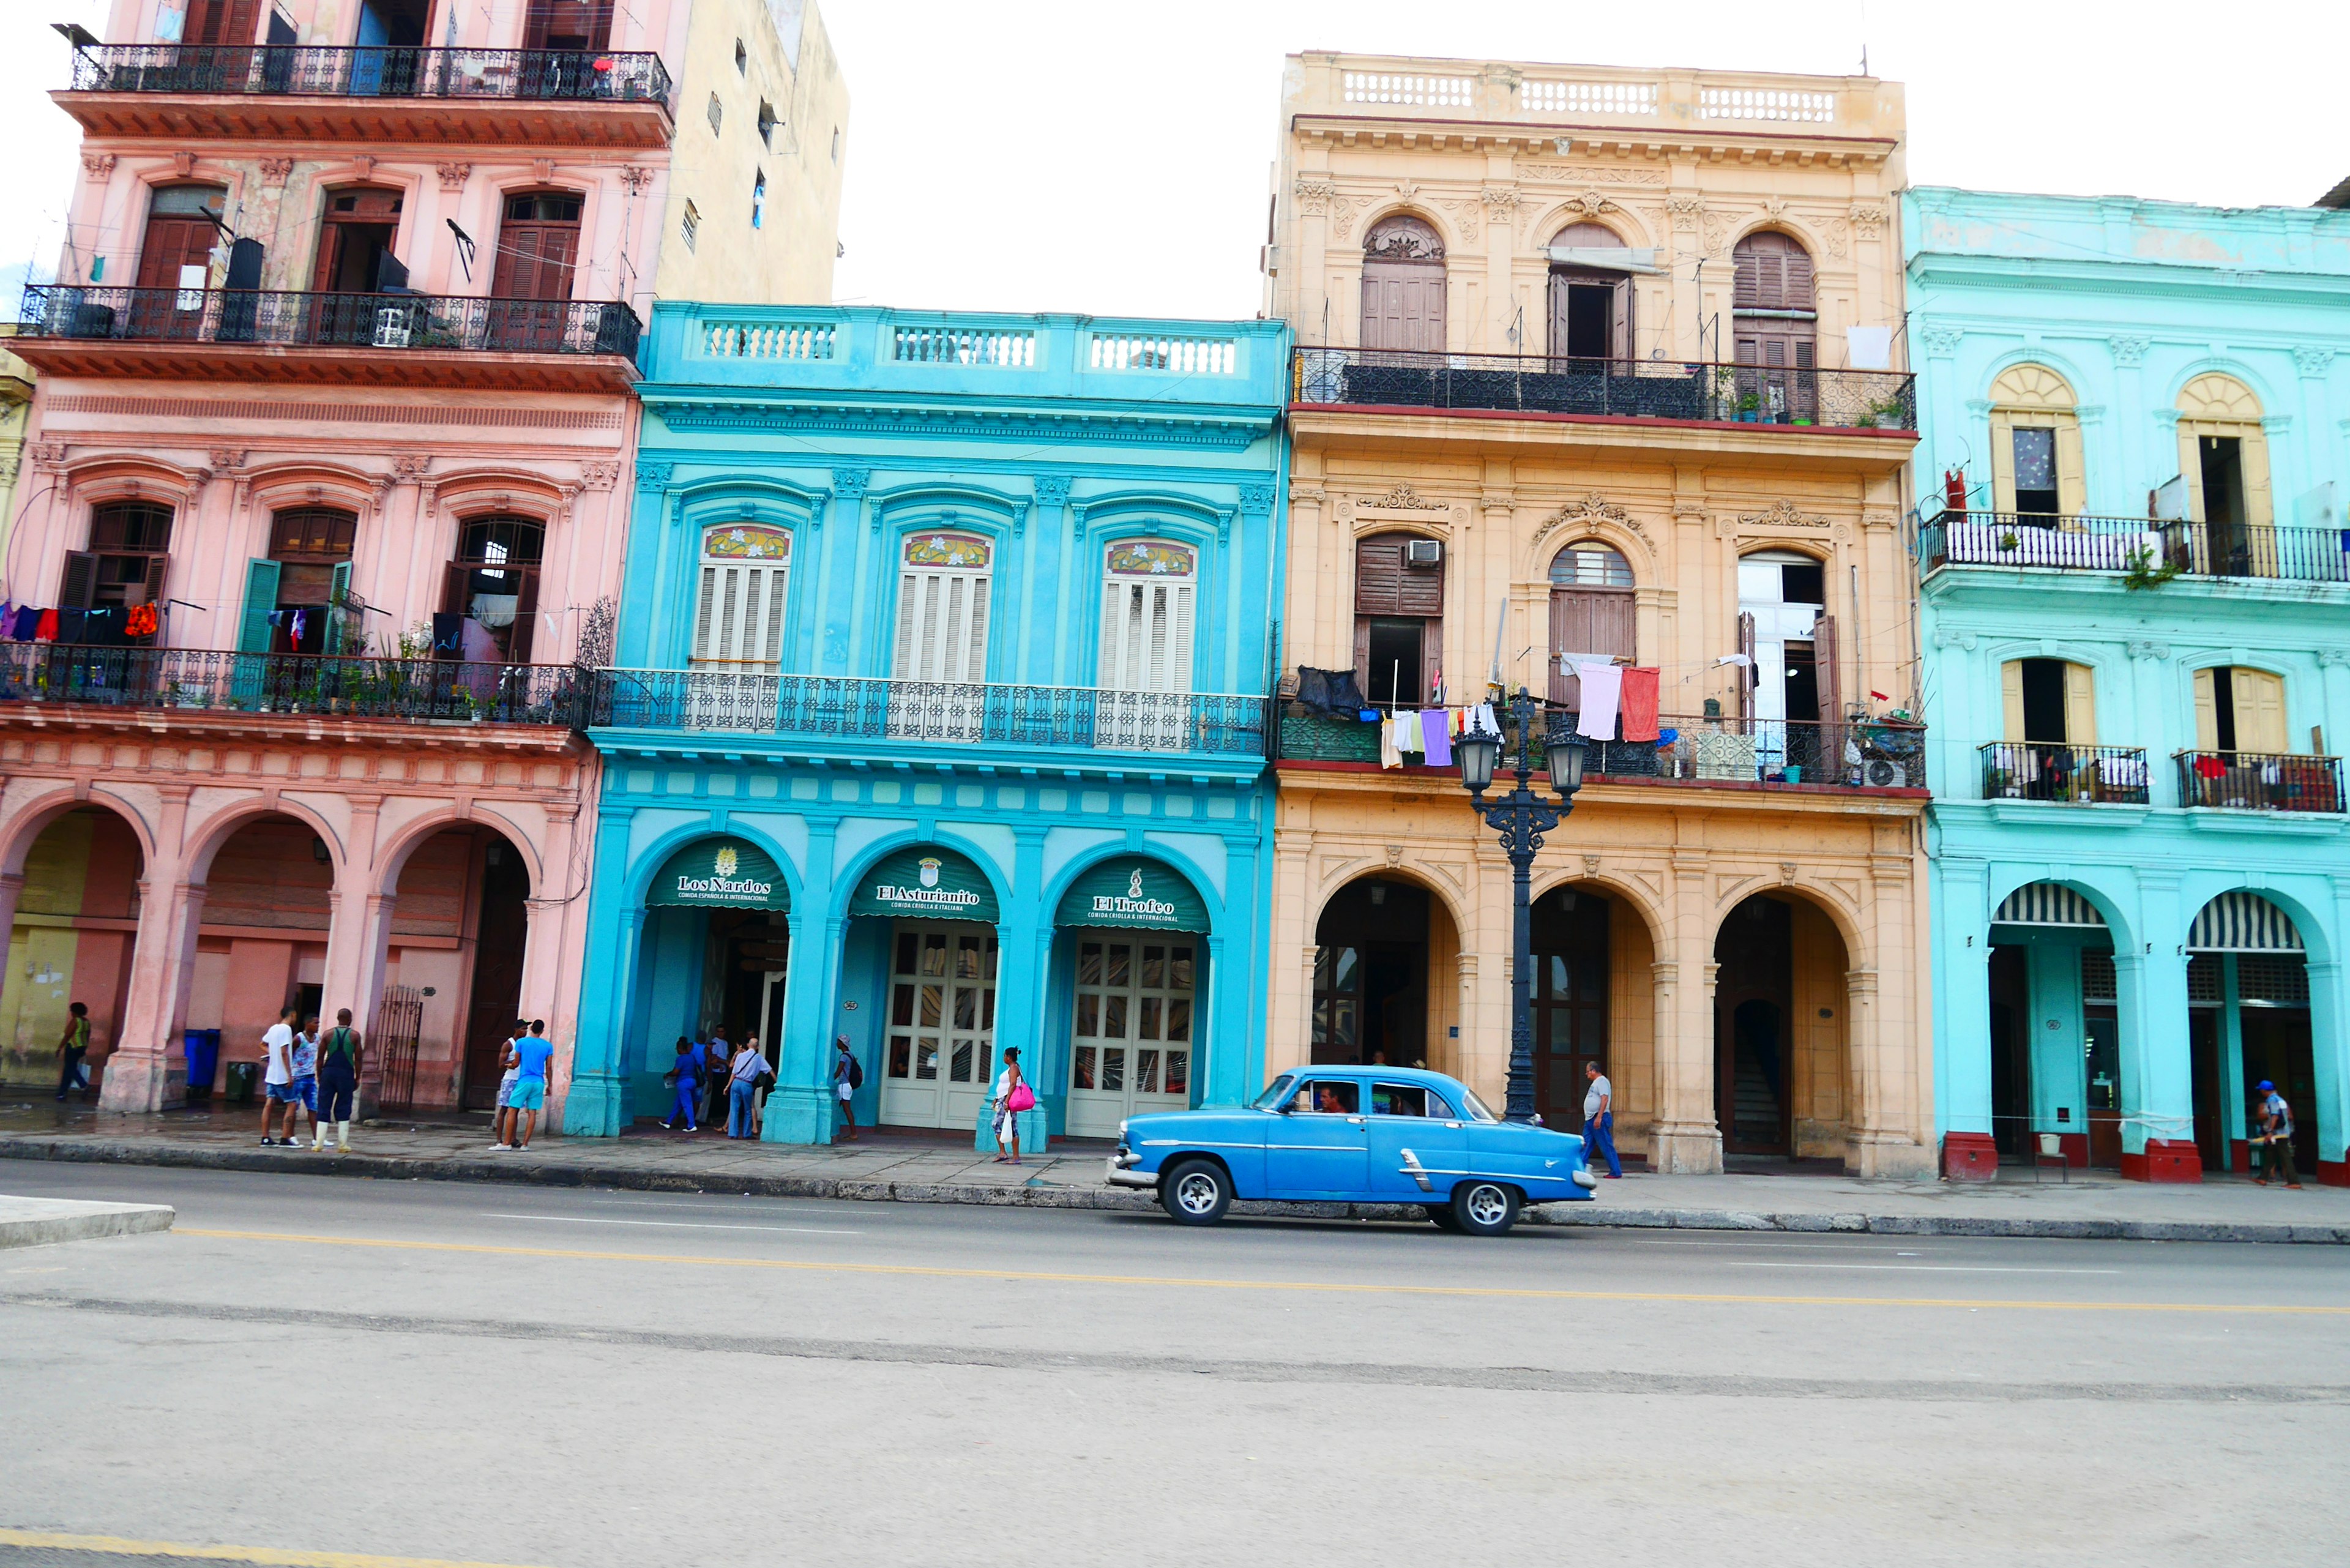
{"x": 2223, "y": 451}
{"x": 942, "y": 592}
{"x": 538, "y": 245}
{"x": 292, "y": 595}
{"x": 2048, "y": 731}
{"x": 1590, "y": 295}
{"x": 1403, "y": 287}
{"x": 1774, "y": 320}
{"x": 489, "y": 607}
{"x": 1150, "y": 591}
{"x": 738, "y": 622}
{"x": 1591, "y": 615}
{"x": 125, "y": 566}
{"x": 2037, "y": 466}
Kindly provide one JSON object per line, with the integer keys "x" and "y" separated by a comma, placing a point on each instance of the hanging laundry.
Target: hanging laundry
{"x": 1602, "y": 686}
{"x": 73, "y": 626}
{"x": 1389, "y": 757}
{"x": 1666, "y": 738}
{"x": 1436, "y": 737}
{"x": 301, "y": 628}
{"x": 28, "y": 623}
{"x": 44, "y": 628}
{"x": 1329, "y": 691}
{"x": 1639, "y": 702}
{"x": 1407, "y": 738}
{"x": 7, "y": 618}
{"x": 142, "y": 621}
{"x": 448, "y": 633}
{"x": 1485, "y": 724}
{"x": 2210, "y": 767}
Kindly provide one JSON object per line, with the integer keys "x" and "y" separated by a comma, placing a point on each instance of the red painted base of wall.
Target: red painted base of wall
{"x": 2334, "y": 1173}
{"x": 2165, "y": 1160}
{"x": 1970, "y": 1157}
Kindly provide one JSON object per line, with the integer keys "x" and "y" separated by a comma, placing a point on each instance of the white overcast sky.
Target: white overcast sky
{"x": 1113, "y": 158}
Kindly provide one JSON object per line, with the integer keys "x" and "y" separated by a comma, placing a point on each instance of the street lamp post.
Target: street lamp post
{"x": 1521, "y": 817}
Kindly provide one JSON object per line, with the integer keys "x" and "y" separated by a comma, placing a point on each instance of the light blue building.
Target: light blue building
{"x": 939, "y": 723}
{"x": 2135, "y": 618}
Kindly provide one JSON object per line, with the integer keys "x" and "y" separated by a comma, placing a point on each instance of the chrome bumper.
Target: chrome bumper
{"x": 1121, "y": 1173}
{"x": 1587, "y": 1181}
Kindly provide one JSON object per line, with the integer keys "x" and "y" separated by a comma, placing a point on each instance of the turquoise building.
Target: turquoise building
{"x": 939, "y": 716}
{"x": 2134, "y": 663}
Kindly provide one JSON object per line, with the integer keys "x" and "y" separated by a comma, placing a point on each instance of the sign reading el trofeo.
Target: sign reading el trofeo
{"x": 1132, "y": 905}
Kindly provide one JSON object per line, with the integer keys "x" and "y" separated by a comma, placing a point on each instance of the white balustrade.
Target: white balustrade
{"x": 1589, "y": 97}
{"x": 1006, "y": 347}
{"x": 1440, "y": 92}
{"x": 1181, "y": 356}
{"x": 768, "y": 340}
{"x": 1765, "y": 103}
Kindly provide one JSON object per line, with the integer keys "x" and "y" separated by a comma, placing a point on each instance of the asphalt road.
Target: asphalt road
{"x": 527, "y": 1375}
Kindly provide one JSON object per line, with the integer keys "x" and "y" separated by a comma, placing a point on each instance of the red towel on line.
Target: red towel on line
{"x": 1639, "y": 700}
{"x": 46, "y": 629}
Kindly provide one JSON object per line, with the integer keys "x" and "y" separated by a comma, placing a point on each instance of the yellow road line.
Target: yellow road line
{"x": 120, "y": 1546}
{"x": 929, "y": 1272}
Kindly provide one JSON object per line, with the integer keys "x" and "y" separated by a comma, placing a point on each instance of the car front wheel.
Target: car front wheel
{"x": 1484, "y": 1208}
{"x": 1196, "y": 1192}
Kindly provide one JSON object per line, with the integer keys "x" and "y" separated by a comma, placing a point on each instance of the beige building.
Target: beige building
{"x": 1597, "y": 363}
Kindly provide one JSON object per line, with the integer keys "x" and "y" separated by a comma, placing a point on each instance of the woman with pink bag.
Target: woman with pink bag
{"x": 1012, "y": 1096}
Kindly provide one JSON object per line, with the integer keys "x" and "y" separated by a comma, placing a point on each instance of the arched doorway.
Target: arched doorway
{"x": 923, "y": 949}
{"x": 1132, "y": 932}
{"x": 1403, "y": 287}
{"x": 2248, "y": 1021}
{"x": 1386, "y": 952}
{"x": 71, "y": 941}
{"x": 1592, "y": 615}
{"x": 1594, "y": 1003}
{"x": 716, "y": 948}
{"x": 1590, "y": 294}
{"x": 262, "y": 944}
{"x": 453, "y": 975}
{"x": 1774, "y": 320}
{"x": 2056, "y": 1027}
{"x": 1781, "y": 1081}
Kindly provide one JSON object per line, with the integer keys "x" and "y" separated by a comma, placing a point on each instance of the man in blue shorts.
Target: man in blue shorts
{"x": 531, "y": 1054}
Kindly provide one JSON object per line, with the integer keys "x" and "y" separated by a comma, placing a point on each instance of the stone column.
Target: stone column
{"x": 596, "y": 1102}
{"x": 545, "y": 996}
{"x": 1685, "y": 1139}
{"x": 1960, "y": 1020}
{"x": 801, "y": 1107}
{"x": 141, "y": 1073}
{"x": 2157, "y": 1083}
{"x": 1878, "y": 1143}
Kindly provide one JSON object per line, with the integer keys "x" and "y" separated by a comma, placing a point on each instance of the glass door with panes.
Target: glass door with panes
{"x": 1131, "y": 1038}
{"x": 941, "y": 1060}
{"x": 1149, "y": 595}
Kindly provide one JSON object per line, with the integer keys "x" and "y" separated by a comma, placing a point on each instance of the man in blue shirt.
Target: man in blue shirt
{"x": 531, "y": 1055}
{"x": 2276, "y": 1137}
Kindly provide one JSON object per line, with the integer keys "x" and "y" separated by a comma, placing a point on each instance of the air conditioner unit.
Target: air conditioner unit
{"x": 1423, "y": 553}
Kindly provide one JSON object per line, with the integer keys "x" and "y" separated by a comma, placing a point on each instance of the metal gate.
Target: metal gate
{"x": 398, "y": 1023}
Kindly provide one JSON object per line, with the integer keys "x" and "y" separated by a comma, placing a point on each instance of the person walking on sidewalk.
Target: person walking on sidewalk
{"x": 742, "y": 1088}
{"x": 848, "y": 1077}
{"x": 685, "y": 1081}
{"x": 2276, "y": 1137}
{"x": 339, "y": 1083}
{"x": 502, "y": 1116}
{"x": 277, "y": 1078}
{"x": 306, "y": 1079}
{"x": 72, "y": 1046}
{"x": 717, "y": 1058}
{"x": 1599, "y": 1120}
{"x": 531, "y": 1054}
{"x": 1010, "y": 1090}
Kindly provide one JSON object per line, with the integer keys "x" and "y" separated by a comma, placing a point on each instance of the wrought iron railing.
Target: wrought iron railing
{"x": 2096, "y": 544}
{"x": 2260, "y": 781}
{"x": 1859, "y": 754}
{"x": 389, "y": 323}
{"x": 947, "y": 712}
{"x": 420, "y": 690}
{"x": 1624, "y": 389}
{"x": 308, "y": 71}
{"x": 2036, "y": 769}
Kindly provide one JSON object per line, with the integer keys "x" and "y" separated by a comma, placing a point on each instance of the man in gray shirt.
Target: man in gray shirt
{"x": 1599, "y": 1119}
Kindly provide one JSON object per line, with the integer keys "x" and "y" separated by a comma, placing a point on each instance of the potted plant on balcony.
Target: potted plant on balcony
{"x": 1749, "y": 408}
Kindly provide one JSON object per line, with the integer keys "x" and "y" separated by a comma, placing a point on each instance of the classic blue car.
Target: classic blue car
{"x": 1362, "y": 1134}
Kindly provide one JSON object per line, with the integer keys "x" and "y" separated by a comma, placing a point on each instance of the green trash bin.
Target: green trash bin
{"x": 243, "y": 1079}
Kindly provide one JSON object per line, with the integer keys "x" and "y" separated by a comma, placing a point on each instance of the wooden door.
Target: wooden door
{"x": 2259, "y": 710}
{"x": 1588, "y": 620}
{"x": 566, "y": 25}
{"x": 1569, "y": 1002}
{"x": 497, "y": 992}
{"x": 537, "y": 245}
{"x": 1773, "y": 323}
{"x": 222, "y": 22}
{"x": 1403, "y": 307}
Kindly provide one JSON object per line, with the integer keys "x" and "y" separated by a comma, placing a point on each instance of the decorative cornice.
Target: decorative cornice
{"x": 1403, "y": 498}
{"x": 1592, "y": 512}
{"x": 654, "y": 476}
{"x": 453, "y": 175}
{"x": 1053, "y": 489}
{"x": 97, "y": 166}
{"x": 1256, "y": 500}
{"x": 1868, "y": 220}
{"x": 1941, "y": 342}
{"x": 849, "y": 483}
{"x": 2148, "y": 647}
{"x": 276, "y": 171}
{"x": 2129, "y": 350}
{"x": 599, "y": 475}
{"x": 1782, "y": 515}
{"x": 2310, "y": 361}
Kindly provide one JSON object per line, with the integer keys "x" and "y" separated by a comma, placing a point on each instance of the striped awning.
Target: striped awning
{"x": 2046, "y": 904}
{"x": 2242, "y": 922}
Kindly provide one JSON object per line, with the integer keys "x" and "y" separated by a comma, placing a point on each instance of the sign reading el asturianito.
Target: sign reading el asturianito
{"x": 924, "y": 879}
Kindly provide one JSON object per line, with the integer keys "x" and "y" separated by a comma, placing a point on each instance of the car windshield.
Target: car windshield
{"x": 1271, "y": 1100}
{"x": 1478, "y": 1110}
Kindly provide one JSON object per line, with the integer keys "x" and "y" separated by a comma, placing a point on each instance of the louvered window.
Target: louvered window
{"x": 943, "y": 598}
{"x": 1399, "y": 618}
{"x": 1148, "y": 594}
{"x": 738, "y": 623}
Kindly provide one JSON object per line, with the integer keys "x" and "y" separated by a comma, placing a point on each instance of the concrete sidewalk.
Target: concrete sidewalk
{"x": 39, "y": 1222}
{"x": 910, "y": 1167}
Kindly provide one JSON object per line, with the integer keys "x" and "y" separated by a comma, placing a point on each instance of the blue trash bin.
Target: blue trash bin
{"x": 203, "y": 1060}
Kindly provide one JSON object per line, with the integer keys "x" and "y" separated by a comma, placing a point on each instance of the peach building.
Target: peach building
{"x": 326, "y": 492}
{"x": 1597, "y": 370}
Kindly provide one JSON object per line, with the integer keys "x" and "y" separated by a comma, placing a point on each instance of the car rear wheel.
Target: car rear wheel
{"x": 1484, "y": 1208}
{"x": 1196, "y": 1192}
{"x": 1440, "y": 1215}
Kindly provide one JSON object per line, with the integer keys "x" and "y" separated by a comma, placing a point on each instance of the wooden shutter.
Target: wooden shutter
{"x": 1746, "y": 675}
{"x": 260, "y": 598}
{"x": 338, "y": 597}
{"x": 1147, "y": 635}
{"x": 2080, "y": 705}
{"x": 1620, "y": 320}
{"x": 1403, "y": 306}
{"x": 1378, "y": 576}
{"x": 520, "y": 636}
{"x": 158, "y": 572}
{"x": 740, "y": 616}
{"x": 1826, "y": 677}
{"x": 80, "y": 588}
{"x": 2011, "y": 700}
{"x": 2259, "y": 710}
{"x": 941, "y": 627}
{"x": 535, "y": 260}
{"x": 174, "y": 241}
{"x": 1589, "y": 620}
{"x": 2206, "y": 713}
{"x": 2003, "y": 465}
{"x": 229, "y": 22}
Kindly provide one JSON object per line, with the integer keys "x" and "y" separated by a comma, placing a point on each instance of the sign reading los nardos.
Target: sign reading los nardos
{"x": 720, "y": 873}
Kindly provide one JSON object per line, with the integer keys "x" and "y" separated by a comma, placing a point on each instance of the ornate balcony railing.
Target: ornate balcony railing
{"x": 413, "y": 690}
{"x": 2260, "y": 781}
{"x": 388, "y": 323}
{"x": 1864, "y": 755}
{"x": 288, "y": 70}
{"x": 2089, "y": 775}
{"x": 935, "y": 711}
{"x": 2095, "y": 544}
{"x": 1620, "y": 388}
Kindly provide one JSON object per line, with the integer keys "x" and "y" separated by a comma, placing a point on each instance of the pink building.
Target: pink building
{"x": 326, "y": 498}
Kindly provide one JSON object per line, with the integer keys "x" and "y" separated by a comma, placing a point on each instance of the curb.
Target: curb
{"x": 45, "y": 1221}
{"x": 92, "y": 1151}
